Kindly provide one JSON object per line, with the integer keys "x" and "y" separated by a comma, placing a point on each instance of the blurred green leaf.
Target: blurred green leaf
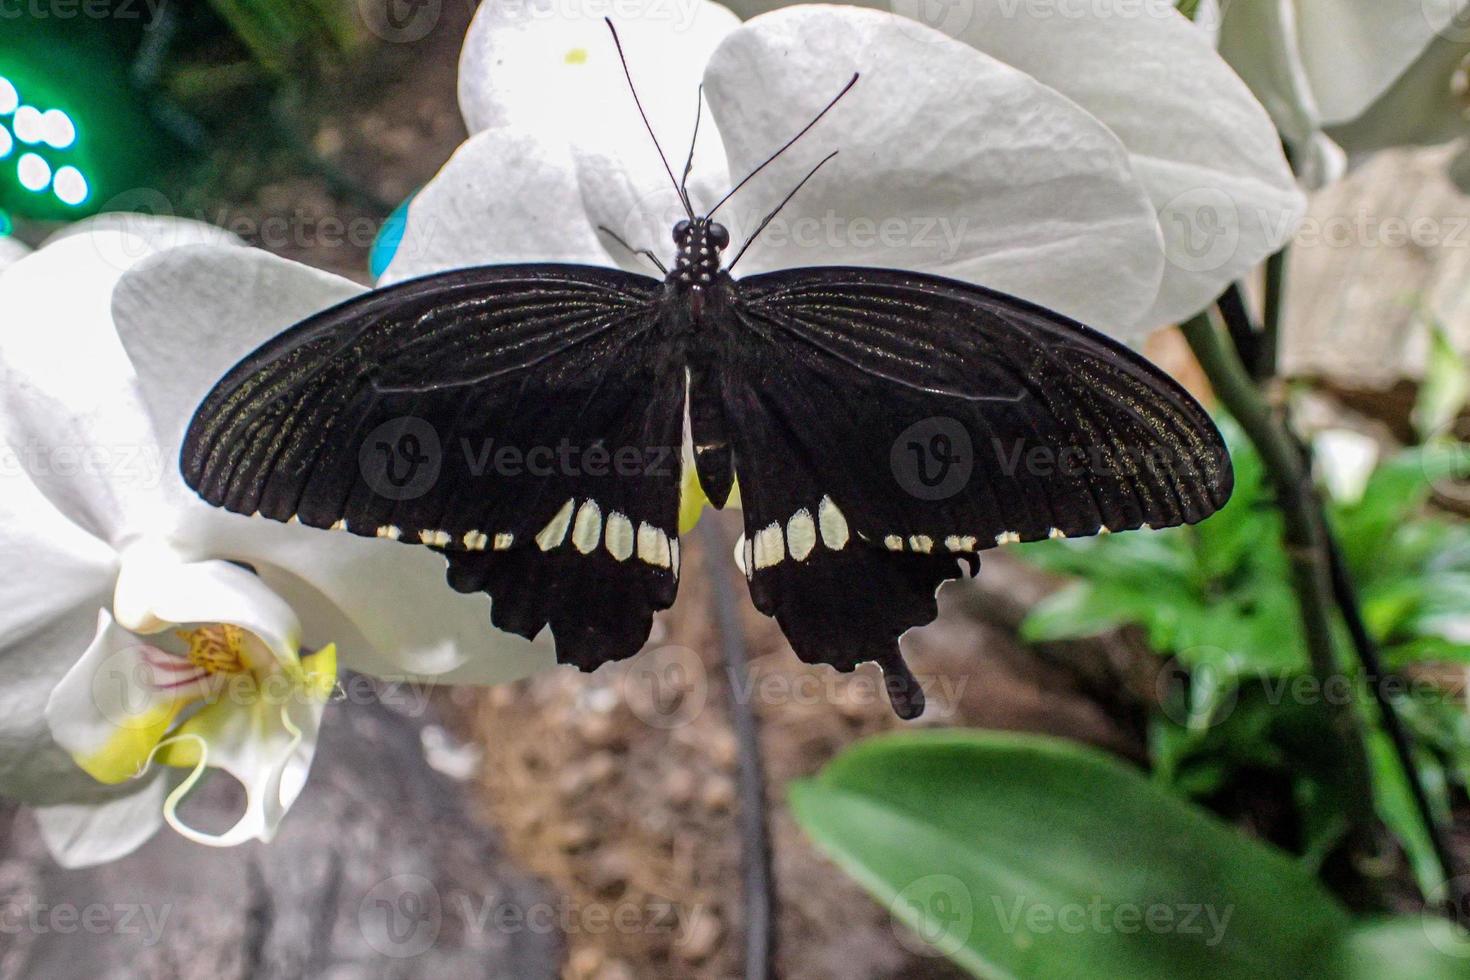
{"x": 1427, "y": 948}
{"x": 997, "y": 847}
{"x": 1445, "y": 388}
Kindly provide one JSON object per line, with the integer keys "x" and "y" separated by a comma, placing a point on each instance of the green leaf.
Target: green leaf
{"x": 1427, "y": 948}
{"x": 1023, "y": 856}
{"x": 1446, "y": 386}
{"x": 1074, "y": 611}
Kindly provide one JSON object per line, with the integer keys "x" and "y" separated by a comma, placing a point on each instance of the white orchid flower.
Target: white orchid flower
{"x": 1110, "y": 167}
{"x": 1319, "y": 65}
{"x": 139, "y": 628}
{"x": 12, "y": 250}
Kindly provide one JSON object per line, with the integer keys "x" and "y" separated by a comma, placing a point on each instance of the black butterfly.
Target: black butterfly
{"x": 885, "y": 428}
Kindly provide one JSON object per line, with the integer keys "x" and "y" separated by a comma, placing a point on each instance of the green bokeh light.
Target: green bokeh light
{"x": 37, "y": 150}
{"x": 77, "y": 135}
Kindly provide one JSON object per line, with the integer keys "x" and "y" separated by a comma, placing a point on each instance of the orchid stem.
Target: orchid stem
{"x": 1272, "y": 302}
{"x": 1457, "y": 899}
{"x": 1304, "y": 535}
{"x": 757, "y": 872}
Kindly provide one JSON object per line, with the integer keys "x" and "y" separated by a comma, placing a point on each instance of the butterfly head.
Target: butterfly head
{"x": 700, "y": 243}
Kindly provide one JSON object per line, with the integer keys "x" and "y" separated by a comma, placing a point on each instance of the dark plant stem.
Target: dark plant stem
{"x": 757, "y": 872}
{"x": 1304, "y": 534}
{"x": 1243, "y": 335}
{"x": 1457, "y": 897}
{"x": 1275, "y": 294}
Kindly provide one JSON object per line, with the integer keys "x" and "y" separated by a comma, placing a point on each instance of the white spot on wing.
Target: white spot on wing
{"x": 674, "y": 555}
{"x": 1008, "y": 537}
{"x": 504, "y": 540}
{"x": 653, "y": 545}
{"x": 770, "y": 546}
{"x": 390, "y": 531}
{"x": 476, "y": 540}
{"x": 555, "y": 531}
{"x": 921, "y": 543}
{"x": 1056, "y": 533}
{"x": 587, "y": 530}
{"x": 893, "y": 542}
{"x": 438, "y": 539}
{"x": 742, "y": 555}
{"x": 801, "y": 534}
{"x": 620, "y": 536}
{"x": 833, "y": 525}
{"x": 957, "y": 543}
{"x": 340, "y": 525}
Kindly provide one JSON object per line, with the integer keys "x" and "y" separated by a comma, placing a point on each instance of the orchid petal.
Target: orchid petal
{"x": 12, "y": 250}
{"x": 263, "y": 739}
{"x": 69, "y": 402}
{"x": 1197, "y": 139}
{"x": 185, "y": 318}
{"x": 970, "y": 168}
{"x": 156, "y": 592}
{"x": 117, "y": 702}
{"x": 61, "y": 576}
{"x": 552, "y": 71}
{"x": 1353, "y": 50}
{"x": 82, "y": 835}
{"x": 1422, "y": 108}
{"x": 503, "y": 197}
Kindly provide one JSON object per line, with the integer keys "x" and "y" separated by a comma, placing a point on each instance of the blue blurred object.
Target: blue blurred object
{"x": 390, "y": 236}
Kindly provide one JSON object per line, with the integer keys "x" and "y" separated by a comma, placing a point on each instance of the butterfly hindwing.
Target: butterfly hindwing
{"x": 913, "y": 422}
{"x": 523, "y": 420}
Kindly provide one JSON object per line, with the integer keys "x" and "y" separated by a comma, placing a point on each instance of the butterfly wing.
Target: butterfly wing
{"x": 885, "y": 424}
{"x": 526, "y": 421}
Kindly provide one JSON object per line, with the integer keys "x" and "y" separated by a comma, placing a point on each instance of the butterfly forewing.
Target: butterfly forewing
{"x": 885, "y": 424}
{"x": 525, "y": 421}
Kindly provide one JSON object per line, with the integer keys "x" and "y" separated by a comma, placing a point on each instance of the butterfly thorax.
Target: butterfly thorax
{"x": 700, "y": 243}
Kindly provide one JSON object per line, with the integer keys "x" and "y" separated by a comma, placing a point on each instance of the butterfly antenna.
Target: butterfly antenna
{"x": 689, "y": 162}
{"x": 678, "y": 188}
{"x": 772, "y": 216}
{"x": 789, "y": 144}
{"x": 645, "y": 252}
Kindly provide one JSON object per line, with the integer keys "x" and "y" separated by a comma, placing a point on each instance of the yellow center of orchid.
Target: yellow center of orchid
{"x": 218, "y": 649}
